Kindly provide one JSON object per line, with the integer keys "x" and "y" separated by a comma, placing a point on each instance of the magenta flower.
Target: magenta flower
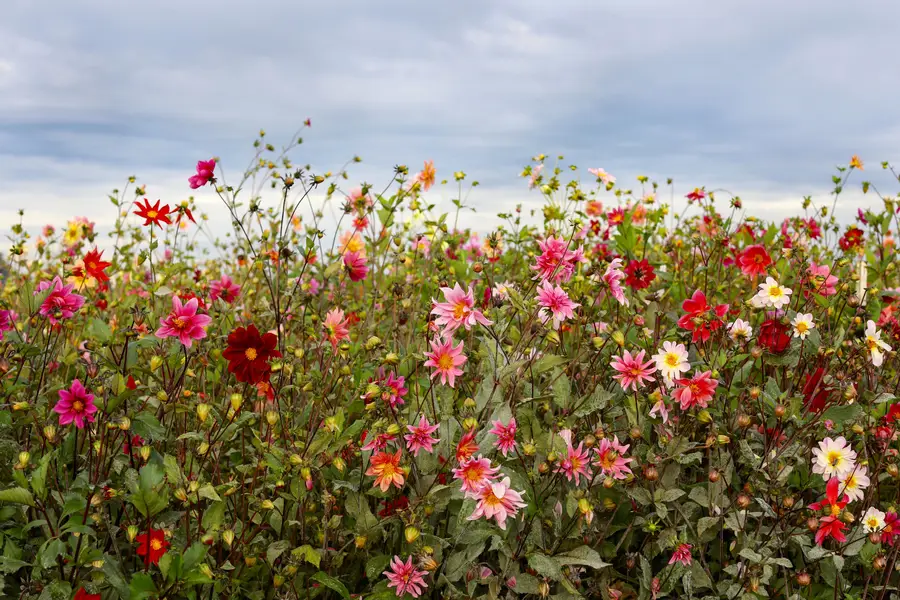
{"x": 184, "y": 322}
{"x": 225, "y": 289}
{"x": 457, "y": 310}
{"x": 446, "y": 360}
{"x": 7, "y": 321}
{"x": 506, "y": 435}
{"x": 206, "y": 170}
{"x": 497, "y": 501}
{"x": 61, "y": 303}
{"x": 556, "y": 262}
{"x": 610, "y": 459}
{"x": 632, "y": 370}
{"x": 379, "y": 442}
{"x": 420, "y": 438}
{"x": 355, "y": 264}
{"x": 75, "y": 405}
{"x": 577, "y": 461}
{"x": 682, "y": 554}
{"x": 555, "y": 302}
{"x": 406, "y": 578}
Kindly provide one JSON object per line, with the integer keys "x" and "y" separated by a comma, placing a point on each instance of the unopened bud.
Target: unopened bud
{"x": 203, "y": 412}
{"x": 236, "y": 401}
{"x": 411, "y": 534}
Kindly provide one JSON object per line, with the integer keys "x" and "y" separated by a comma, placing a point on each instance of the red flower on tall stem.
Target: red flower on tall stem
{"x": 248, "y": 354}
{"x": 754, "y": 261}
{"x": 639, "y": 274}
{"x": 153, "y": 214}
{"x": 697, "y": 317}
{"x": 152, "y": 545}
{"x": 831, "y": 524}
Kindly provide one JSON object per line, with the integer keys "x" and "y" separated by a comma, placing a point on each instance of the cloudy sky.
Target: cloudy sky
{"x": 761, "y": 98}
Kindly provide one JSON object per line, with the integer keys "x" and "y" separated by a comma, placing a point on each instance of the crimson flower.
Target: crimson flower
{"x": 852, "y": 238}
{"x": 94, "y": 266}
{"x": 697, "y": 317}
{"x": 205, "y": 174}
{"x": 831, "y": 525}
{"x": 152, "y": 545}
{"x": 639, "y": 274}
{"x": 773, "y": 336}
{"x": 82, "y": 594}
{"x": 815, "y": 392}
{"x": 248, "y": 354}
{"x": 754, "y": 261}
{"x": 891, "y": 528}
{"x": 153, "y": 214}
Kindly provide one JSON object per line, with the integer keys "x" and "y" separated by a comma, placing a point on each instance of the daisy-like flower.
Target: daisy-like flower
{"x": 874, "y": 343}
{"x": 474, "y": 473}
{"x": 336, "y": 327}
{"x": 632, "y": 370}
{"x": 556, "y": 262}
{"x": 602, "y": 176}
{"x": 420, "y": 438}
{"x": 506, "y": 436}
{"x": 555, "y": 302}
{"x": 803, "y": 324}
{"x": 696, "y": 391}
{"x": 873, "y": 520}
{"x": 672, "y": 361}
{"x": 75, "y": 405}
{"x": 855, "y": 482}
{"x": 406, "y": 578}
{"x": 153, "y": 214}
{"x": 90, "y": 270}
{"x": 446, "y": 359}
{"x": 740, "y": 330}
{"x": 772, "y": 293}
{"x": 833, "y": 458}
{"x": 660, "y": 409}
{"x": 385, "y": 467}
{"x": 184, "y": 322}
{"x": 497, "y": 501}
{"x": 610, "y": 459}
{"x": 577, "y": 461}
{"x": 458, "y": 310}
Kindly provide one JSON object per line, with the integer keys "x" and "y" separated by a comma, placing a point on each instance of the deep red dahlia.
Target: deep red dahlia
{"x": 152, "y": 545}
{"x": 639, "y": 274}
{"x": 853, "y": 238}
{"x": 773, "y": 335}
{"x": 248, "y": 354}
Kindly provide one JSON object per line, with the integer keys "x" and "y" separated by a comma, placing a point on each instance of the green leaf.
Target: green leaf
{"x": 275, "y": 550}
{"x": 39, "y": 477}
{"x": 194, "y": 556}
{"x": 331, "y": 583}
{"x": 376, "y": 566}
{"x": 141, "y": 586}
{"x": 58, "y": 590}
{"x": 583, "y": 555}
{"x": 99, "y": 329}
{"x": 49, "y": 551}
{"x": 842, "y": 414}
{"x": 209, "y": 492}
{"x": 545, "y": 566}
{"x": 17, "y": 495}
{"x": 213, "y": 516}
{"x": 309, "y": 554}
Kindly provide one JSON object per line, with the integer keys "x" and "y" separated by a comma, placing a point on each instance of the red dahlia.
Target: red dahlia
{"x": 754, "y": 260}
{"x": 639, "y": 274}
{"x": 773, "y": 335}
{"x": 152, "y": 545}
{"x": 248, "y": 354}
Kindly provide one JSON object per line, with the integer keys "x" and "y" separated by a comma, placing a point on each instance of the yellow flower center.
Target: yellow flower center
{"x": 179, "y": 323}
{"x": 835, "y": 510}
{"x": 250, "y": 353}
{"x": 155, "y": 544}
{"x": 459, "y": 311}
{"x": 834, "y": 458}
{"x": 152, "y": 214}
{"x": 672, "y": 360}
{"x": 445, "y": 362}
{"x": 802, "y": 327}
{"x": 78, "y": 406}
{"x": 775, "y": 292}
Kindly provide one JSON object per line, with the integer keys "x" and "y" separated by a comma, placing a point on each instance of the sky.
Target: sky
{"x": 760, "y": 98}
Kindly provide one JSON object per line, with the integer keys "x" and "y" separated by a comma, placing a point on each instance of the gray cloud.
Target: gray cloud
{"x": 761, "y": 98}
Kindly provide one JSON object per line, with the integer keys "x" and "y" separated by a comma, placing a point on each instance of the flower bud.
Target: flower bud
{"x": 236, "y": 401}
{"x": 296, "y": 459}
{"x": 779, "y": 410}
{"x": 267, "y": 504}
{"x": 278, "y": 580}
{"x": 744, "y": 421}
{"x": 651, "y": 473}
{"x": 131, "y": 532}
{"x": 145, "y": 453}
{"x": 162, "y": 396}
{"x": 411, "y": 534}
{"x": 879, "y": 563}
{"x": 743, "y": 501}
{"x": 203, "y": 448}
{"x": 619, "y": 338}
{"x": 125, "y": 424}
{"x": 469, "y": 403}
{"x": 803, "y": 579}
{"x": 723, "y": 440}
{"x": 892, "y": 470}
{"x": 360, "y": 541}
{"x": 704, "y": 417}
{"x": 155, "y": 363}
{"x": 529, "y": 448}
{"x": 203, "y": 412}
{"x": 50, "y": 432}
{"x": 24, "y": 457}
{"x": 470, "y": 423}
{"x": 544, "y": 587}
{"x": 714, "y": 476}
{"x": 272, "y": 418}
{"x": 228, "y": 536}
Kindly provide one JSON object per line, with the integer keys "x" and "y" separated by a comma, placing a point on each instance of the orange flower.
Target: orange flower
{"x": 386, "y": 469}
{"x": 426, "y": 175}
{"x": 856, "y": 163}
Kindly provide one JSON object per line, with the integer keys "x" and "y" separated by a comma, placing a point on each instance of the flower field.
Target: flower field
{"x": 627, "y": 394}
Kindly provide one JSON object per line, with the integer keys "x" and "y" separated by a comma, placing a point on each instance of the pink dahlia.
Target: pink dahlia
{"x": 446, "y": 360}
{"x": 61, "y": 303}
{"x": 555, "y": 302}
{"x": 205, "y": 173}
{"x": 225, "y": 289}
{"x": 577, "y": 461}
{"x": 420, "y": 438}
{"x": 506, "y": 435}
{"x": 184, "y": 322}
{"x": 458, "y": 309}
{"x": 497, "y": 501}
{"x": 633, "y": 371}
{"x": 75, "y": 405}
{"x": 474, "y": 473}
{"x": 696, "y": 391}
{"x": 406, "y": 578}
